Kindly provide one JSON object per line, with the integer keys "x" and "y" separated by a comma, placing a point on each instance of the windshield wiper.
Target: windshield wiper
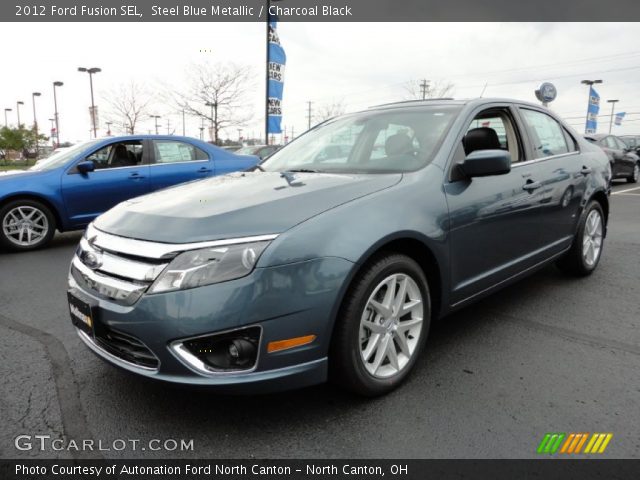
{"x": 303, "y": 170}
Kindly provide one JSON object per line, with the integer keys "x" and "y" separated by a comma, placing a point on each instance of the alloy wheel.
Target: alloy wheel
{"x": 592, "y": 238}
{"x": 25, "y": 226}
{"x": 390, "y": 325}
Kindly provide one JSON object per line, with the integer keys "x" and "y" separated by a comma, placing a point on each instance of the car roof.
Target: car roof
{"x": 451, "y": 101}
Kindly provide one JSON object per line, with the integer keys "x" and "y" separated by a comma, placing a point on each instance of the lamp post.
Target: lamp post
{"x": 35, "y": 121}
{"x": 91, "y": 71}
{"x": 55, "y": 109}
{"x": 590, "y": 83}
{"x": 53, "y": 129}
{"x": 156, "y": 117}
{"x": 210, "y": 104}
{"x": 109, "y": 128}
{"x": 18, "y": 103}
{"x": 613, "y": 104}
{"x": 6, "y": 123}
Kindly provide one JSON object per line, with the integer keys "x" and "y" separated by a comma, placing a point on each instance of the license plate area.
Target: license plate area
{"x": 82, "y": 313}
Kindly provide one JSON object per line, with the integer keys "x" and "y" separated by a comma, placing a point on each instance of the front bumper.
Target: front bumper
{"x": 286, "y": 301}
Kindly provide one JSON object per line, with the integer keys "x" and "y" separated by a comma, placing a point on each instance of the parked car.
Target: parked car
{"x": 69, "y": 189}
{"x": 625, "y": 163}
{"x": 632, "y": 142}
{"x": 306, "y": 269}
{"x": 262, "y": 151}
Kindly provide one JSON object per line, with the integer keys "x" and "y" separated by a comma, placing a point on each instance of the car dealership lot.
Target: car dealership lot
{"x": 549, "y": 354}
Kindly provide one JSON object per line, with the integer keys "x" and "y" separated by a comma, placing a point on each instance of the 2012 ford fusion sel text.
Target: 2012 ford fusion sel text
{"x": 331, "y": 259}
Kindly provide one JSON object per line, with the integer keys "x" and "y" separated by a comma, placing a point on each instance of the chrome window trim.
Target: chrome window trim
{"x": 155, "y": 164}
{"x": 156, "y": 250}
{"x": 98, "y": 350}
{"x": 536, "y": 160}
{"x": 189, "y": 359}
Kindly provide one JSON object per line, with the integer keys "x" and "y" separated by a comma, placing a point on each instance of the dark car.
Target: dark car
{"x": 632, "y": 141}
{"x": 625, "y": 162}
{"x": 67, "y": 190}
{"x": 262, "y": 151}
{"x": 307, "y": 268}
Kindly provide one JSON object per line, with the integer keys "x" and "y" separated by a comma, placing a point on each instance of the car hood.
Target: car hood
{"x": 237, "y": 205}
{"x": 8, "y": 173}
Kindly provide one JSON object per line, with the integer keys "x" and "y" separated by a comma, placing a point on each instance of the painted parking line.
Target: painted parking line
{"x": 618, "y": 192}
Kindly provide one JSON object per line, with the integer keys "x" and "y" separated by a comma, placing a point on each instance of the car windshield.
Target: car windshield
{"x": 631, "y": 142}
{"x": 58, "y": 159}
{"x": 249, "y": 150}
{"x": 368, "y": 142}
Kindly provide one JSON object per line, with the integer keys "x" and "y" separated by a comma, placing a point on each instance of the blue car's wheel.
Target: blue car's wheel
{"x": 26, "y": 225}
{"x": 382, "y": 326}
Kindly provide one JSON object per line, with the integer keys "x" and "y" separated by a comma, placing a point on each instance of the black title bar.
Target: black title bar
{"x": 318, "y": 10}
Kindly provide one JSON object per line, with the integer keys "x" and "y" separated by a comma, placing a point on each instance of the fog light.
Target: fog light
{"x": 231, "y": 351}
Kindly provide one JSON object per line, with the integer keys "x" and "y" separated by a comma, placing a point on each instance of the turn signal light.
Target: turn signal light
{"x": 289, "y": 343}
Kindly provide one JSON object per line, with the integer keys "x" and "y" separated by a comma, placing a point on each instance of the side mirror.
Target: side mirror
{"x": 86, "y": 166}
{"x": 483, "y": 163}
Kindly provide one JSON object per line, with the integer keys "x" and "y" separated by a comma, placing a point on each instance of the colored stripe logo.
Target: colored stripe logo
{"x": 573, "y": 443}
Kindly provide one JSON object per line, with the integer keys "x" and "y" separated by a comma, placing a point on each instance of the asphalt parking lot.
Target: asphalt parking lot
{"x": 549, "y": 354}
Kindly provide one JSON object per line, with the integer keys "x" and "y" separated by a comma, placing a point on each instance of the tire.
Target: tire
{"x": 635, "y": 176}
{"x": 36, "y": 229}
{"x": 585, "y": 252}
{"x": 359, "y": 322}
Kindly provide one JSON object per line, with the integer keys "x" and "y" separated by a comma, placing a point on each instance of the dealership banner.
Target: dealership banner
{"x": 592, "y": 112}
{"x": 276, "y": 62}
{"x": 619, "y": 118}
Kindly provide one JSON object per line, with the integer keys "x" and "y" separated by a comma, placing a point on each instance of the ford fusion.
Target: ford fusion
{"x": 72, "y": 187}
{"x": 331, "y": 258}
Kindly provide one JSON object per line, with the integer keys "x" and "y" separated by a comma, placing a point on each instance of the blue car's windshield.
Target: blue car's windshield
{"x": 58, "y": 159}
{"x": 398, "y": 140}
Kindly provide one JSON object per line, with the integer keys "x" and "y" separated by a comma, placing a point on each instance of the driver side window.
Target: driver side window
{"x": 118, "y": 155}
{"x": 493, "y": 130}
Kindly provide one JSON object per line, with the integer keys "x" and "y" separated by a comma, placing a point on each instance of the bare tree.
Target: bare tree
{"x": 217, "y": 93}
{"x": 418, "y": 89}
{"x": 129, "y": 103}
{"x": 329, "y": 110}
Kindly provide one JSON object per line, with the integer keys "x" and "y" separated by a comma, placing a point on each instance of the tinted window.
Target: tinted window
{"x": 547, "y": 134}
{"x": 620, "y": 145}
{"x": 611, "y": 143}
{"x": 396, "y": 140}
{"x": 170, "y": 151}
{"x": 118, "y": 155}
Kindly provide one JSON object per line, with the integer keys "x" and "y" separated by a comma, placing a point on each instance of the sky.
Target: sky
{"x": 356, "y": 64}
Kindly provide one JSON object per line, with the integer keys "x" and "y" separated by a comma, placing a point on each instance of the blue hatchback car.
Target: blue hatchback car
{"x": 69, "y": 189}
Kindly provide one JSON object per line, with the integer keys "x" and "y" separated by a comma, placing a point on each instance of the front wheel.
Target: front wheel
{"x": 382, "y": 326}
{"x": 584, "y": 255}
{"x": 25, "y": 225}
{"x": 635, "y": 175}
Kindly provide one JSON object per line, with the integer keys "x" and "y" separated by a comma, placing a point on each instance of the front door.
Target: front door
{"x": 121, "y": 172}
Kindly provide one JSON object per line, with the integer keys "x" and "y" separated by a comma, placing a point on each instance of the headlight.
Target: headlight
{"x": 208, "y": 265}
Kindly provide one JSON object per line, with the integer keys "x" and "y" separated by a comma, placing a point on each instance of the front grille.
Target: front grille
{"x": 126, "y": 347}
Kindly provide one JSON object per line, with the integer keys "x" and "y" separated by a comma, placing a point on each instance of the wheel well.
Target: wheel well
{"x": 36, "y": 198}
{"x": 419, "y": 252}
{"x": 601, "y": 198}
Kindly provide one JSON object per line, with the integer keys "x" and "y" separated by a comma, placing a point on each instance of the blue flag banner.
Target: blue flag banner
{"x": 592, "y": 111}
{"x": 276, "y": 62}
{"x": 620, "y": 117}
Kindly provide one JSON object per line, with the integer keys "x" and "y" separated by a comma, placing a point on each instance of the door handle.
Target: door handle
{"x": 136, "y": 176}
{"x": 204, "y": 170}
{"x": 531, "y": 186}
{"x": 586, "y": 170}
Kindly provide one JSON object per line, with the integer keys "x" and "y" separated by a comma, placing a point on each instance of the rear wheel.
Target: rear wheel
{"x": 635, "y": 175}
{"x": 584, "y": 255}
{"x": 382, "y": 326}
{"x": 26, "y": 225}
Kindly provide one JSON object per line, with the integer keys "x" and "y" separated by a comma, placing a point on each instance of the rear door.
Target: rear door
{"x": 177, "y": 161}
{"x": 627, "y": 159}
{"x": 121, "y": 172}
{"x": 563, "y": 174}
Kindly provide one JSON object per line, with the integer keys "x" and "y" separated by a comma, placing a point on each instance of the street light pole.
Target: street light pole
{"x": 613, "y": 103}
{"x": 55, "y": 107}
{"x": 18, "y": 103}
{"x": 35, "y": 121}
{"x": 156, "y": 117}
{"x": 590, "y": 83}
{"x": 6, "y": 123}
{"x": 91, "y": 71}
